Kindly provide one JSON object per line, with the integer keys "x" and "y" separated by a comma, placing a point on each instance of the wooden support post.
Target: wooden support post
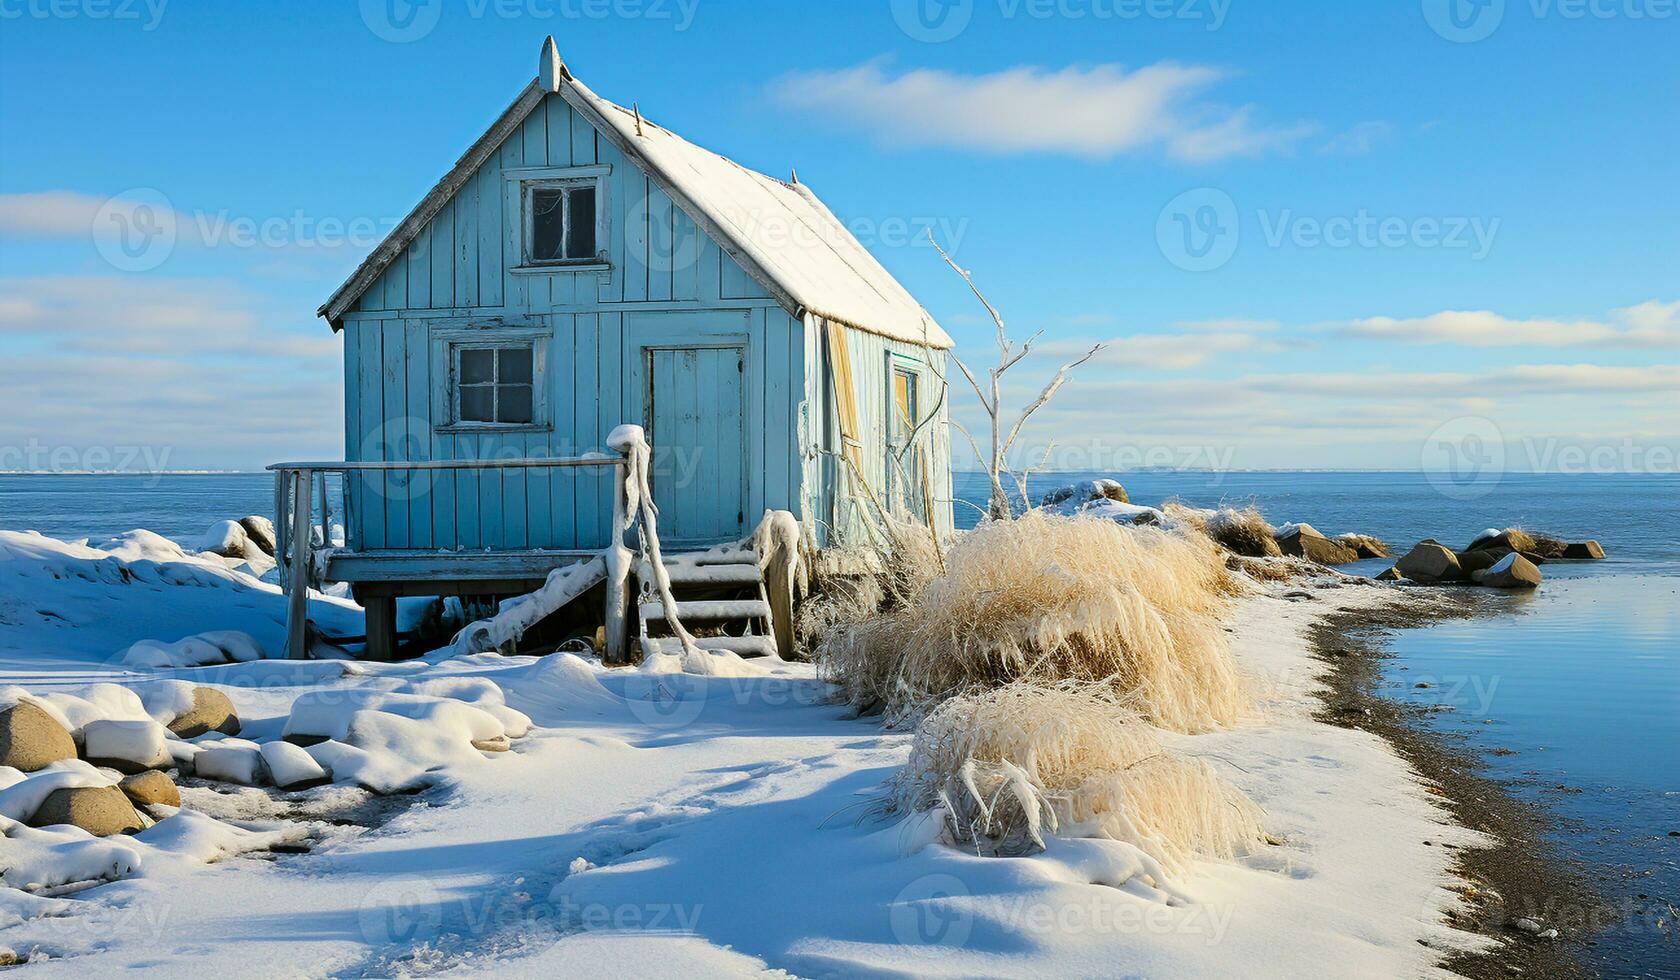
{"x": 619, "y": 558}
{"x": 381, "y": 613}
{"x": 297, "y": 604}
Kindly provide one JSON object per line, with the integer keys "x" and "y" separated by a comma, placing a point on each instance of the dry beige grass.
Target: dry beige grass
{"x": 1010, "y": 765}
{"x": 1240, "y": 530}
{"x": 1046, "y": 599}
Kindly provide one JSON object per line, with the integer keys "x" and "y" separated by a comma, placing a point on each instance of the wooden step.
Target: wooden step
{"x": 691, "y": 574}
{"x": 709, "y": 609}
{"x": 746, "y": 646}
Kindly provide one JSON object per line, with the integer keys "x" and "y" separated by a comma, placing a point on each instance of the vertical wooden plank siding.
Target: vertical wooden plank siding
{"x": 392, "y": 436}
{"x": 420, "y": 485}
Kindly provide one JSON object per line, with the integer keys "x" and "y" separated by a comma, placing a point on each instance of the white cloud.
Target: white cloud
{"x": 1650, "y": 324}
{"x": 49, "y": 214}
{"x": 1099, "y": 111}
{"x": 1359, "y": 139}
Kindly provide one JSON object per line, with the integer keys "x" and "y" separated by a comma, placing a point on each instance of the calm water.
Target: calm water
{"x": 1574, "y": 690}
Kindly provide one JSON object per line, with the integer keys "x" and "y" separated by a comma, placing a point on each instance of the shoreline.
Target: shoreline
{"x": 1517, "y": 874}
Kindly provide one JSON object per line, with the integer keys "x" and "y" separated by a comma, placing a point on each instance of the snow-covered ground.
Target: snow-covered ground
{"x": 676, "y": 825}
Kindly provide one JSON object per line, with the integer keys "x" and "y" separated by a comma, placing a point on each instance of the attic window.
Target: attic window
{"x": 560, "y": 222}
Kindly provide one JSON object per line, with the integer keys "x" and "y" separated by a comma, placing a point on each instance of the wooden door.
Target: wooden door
{"x": 696, "y": 421}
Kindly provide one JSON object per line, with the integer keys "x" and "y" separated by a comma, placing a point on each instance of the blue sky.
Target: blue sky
{"x": 1315, "y": 235}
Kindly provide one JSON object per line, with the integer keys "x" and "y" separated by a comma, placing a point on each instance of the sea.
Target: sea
{"x": 1570, "y": 692}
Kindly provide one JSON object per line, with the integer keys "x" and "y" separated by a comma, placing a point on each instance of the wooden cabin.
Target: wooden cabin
{"x": 581, "y": 267}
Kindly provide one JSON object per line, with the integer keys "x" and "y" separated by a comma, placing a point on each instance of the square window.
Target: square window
{"x": 494, "y": 384}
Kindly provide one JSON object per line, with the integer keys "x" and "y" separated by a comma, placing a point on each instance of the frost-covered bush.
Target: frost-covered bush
{"x": 1047, "y": 599}
{"x": 1007, "y": 767}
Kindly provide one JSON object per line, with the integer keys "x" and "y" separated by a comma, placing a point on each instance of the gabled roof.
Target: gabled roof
{"x": 779, "y": 232}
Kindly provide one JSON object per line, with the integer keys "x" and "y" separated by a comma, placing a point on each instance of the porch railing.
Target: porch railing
{"x": 296, "y": 486}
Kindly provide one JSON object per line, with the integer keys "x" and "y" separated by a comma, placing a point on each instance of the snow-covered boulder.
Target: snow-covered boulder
{"x": 291, "y": 767}
{"x": 259, "y": 531}
{"x": 199, "y": 650}
{"x": 227, "y": 539}
{"x": 380, "y": 772}
{"x": 478, "y": 692}
{"x": 1085, "y": 492}
{"x": 126, "y": 745}
{"x": 327, "y": 714}
{"x": 210, "y": 711}
{"x": 231, "y": 760}
{"x": 150, "y": 788}
{"x": 99, "y": 810}
{"x": 31, "y": 738}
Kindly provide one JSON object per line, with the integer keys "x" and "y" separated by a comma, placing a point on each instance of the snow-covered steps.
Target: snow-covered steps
{"x": 718, "y": 592}
{"x": 704, "y": 610}
{"x": 746, "y": 646}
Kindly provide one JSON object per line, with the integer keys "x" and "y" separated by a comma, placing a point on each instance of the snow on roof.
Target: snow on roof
{"x": 779, "y": 232}
{"x": 782, "y": 228}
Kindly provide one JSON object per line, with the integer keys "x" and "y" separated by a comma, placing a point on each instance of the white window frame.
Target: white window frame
{"x": 523, "y": 182}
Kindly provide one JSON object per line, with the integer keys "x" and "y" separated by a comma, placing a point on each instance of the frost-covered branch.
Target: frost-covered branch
{"x": 991, "y": 398}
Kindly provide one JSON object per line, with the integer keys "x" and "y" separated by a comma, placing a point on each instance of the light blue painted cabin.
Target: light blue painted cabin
{"x": 581, "y": 267}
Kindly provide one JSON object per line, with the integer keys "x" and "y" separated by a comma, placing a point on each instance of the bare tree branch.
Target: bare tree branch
{"x": 1045, "y": 395}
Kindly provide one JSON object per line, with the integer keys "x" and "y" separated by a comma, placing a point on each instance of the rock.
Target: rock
{"x": 150, "y": 788}
{"x": 498, "y": 744}
{"x": 211, "y": 712}
{"x": 1430, "y": 563}
{"x": 260, "y": 532}
{"x": 126, "y": 746}
{"x": 1086, "y": 491}
{"x": 1510, "y": 539}
{"x": 227, "y": 539}
{"x": 1583, "y": 551}
{"x": 1391, "y": 575}
{"x": 1471, "y": 562}
{"x": 1243, "y": 532}
{"x": 99, "y": 810}
{"x": 291, "y": 767}
{"x": 1511, "y": 572}
{"x": 31, "y": 738}
{"x": 1304, "y": 541}
{"x": 239, "y": 762}
{"x": 1363, "y": 545}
